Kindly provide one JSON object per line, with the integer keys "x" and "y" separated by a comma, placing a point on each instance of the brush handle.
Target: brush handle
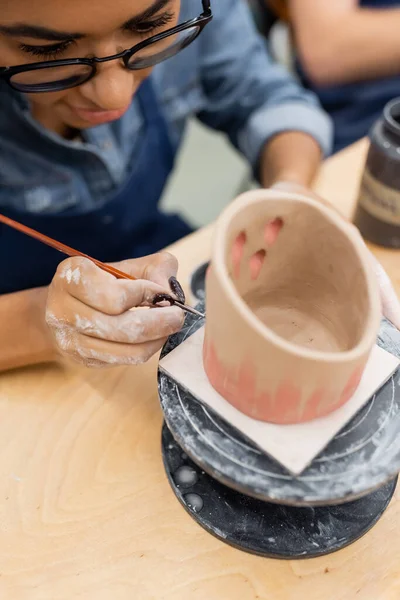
{"x": 45, "y": 239}
{"x": 62, "y": 247}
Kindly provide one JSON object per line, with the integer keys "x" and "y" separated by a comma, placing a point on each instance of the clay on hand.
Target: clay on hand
{"x": 389, "y": 300}
{"x": 90, "y": 315}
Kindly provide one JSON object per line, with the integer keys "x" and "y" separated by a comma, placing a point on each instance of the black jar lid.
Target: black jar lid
{"x": 391, "y": 116}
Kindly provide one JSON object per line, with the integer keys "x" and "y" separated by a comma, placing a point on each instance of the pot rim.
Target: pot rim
{"x": 370, "y": 333}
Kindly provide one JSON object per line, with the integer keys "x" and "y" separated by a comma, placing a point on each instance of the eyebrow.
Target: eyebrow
{"x": 38, "y": 33}
{"x": 147, "y": 14}
{"x": 43, "y": 33}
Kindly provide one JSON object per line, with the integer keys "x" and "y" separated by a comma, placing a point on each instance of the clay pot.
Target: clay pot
{"x": 293, "y": 308}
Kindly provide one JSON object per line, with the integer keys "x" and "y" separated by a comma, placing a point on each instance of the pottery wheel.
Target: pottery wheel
{"x": 263, "y": 528}
{"x": 356, "y": 470}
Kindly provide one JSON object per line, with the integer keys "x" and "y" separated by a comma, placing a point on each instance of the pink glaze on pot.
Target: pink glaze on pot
{"x": 238, "y": 387}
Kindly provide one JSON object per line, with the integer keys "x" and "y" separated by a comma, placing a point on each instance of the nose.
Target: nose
{"x": 112, "y": 88}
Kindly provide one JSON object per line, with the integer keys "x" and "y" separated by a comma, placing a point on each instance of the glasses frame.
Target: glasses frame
{"x": 6, "y": 73}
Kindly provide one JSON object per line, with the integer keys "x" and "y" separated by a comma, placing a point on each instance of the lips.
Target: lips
{"x": 97, "y": 117}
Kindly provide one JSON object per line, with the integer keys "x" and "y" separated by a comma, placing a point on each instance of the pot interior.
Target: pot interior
{"x": 299, "y": 273}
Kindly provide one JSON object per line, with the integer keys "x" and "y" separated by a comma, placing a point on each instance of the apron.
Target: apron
{"x": 129, "y": 225}
{"x": 354, "y": 107}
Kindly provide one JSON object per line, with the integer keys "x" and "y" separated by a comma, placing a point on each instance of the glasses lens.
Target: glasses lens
{"x": 162, "y": 50}
{"x": 47, "y": 79}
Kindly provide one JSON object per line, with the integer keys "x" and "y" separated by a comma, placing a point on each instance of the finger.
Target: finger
{"x": 94, "y": 352}
{"x": 65, "y": 339}
{"x": 389, "y": 299}
{"x": 157, "y": 268}
{"x": 89, "y": 284}
{"x": 177, "y": 290}
{"x": 133, "y": 327}
{"x": 295, "y": 188}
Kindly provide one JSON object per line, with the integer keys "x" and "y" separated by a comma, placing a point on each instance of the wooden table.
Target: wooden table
{"x": 85, "y": 508}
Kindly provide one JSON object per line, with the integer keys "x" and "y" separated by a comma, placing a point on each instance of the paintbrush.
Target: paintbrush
{"x": 72, "y": 252}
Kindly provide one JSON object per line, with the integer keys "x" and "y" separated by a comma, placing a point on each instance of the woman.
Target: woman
{"x": 87, "y": 145}
{"x": 349, "y": 55}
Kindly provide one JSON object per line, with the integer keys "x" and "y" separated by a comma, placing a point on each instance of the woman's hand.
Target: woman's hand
{"x": 389, "y": 299}
{"x": 88, "y": 311}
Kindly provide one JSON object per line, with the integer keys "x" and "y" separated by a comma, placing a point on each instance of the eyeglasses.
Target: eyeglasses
{"x": 58, "y": 75}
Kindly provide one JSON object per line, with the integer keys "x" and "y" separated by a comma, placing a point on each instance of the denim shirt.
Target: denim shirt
{"x": 225, "y": 78}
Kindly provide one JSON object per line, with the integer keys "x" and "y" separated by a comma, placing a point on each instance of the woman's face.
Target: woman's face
{"x": 39, "y": 30}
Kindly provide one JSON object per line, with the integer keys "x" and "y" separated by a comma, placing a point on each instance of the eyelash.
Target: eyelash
{"x": 46, "y": 52}
{"x": 52, "y": 51}
{"x": 145, "y": 28}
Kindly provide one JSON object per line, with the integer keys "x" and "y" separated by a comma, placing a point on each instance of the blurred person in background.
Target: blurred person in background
{"x": 348, "y": 53}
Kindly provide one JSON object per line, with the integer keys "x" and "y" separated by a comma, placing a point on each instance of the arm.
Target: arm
{"x": 290, "y": 157}
{"x": 25, "y": 338}
{"x": 340, "y": 42}
{"x": 254, "y": 100}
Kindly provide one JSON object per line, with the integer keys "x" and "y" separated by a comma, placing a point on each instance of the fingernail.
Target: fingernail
{"x": 158, "y": 298}
{"x": 177, "y": 289}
